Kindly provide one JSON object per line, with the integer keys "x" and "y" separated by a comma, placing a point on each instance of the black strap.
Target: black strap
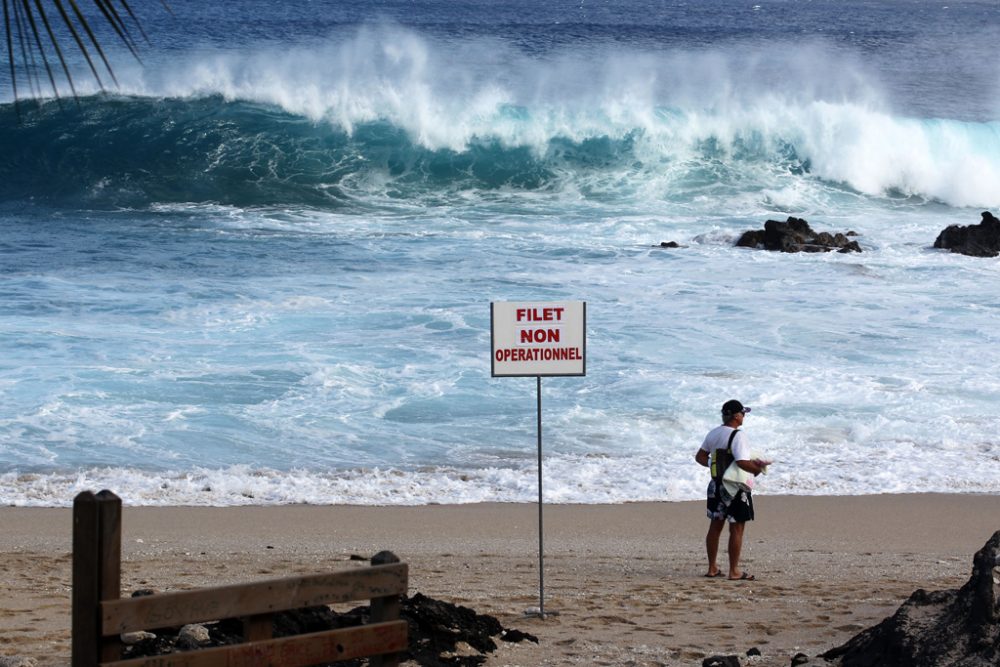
{"x": 720, "y": 466}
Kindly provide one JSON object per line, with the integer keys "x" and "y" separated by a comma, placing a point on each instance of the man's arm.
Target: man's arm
{"x": 756, "y": 466}
{"x": 702, "y": 457}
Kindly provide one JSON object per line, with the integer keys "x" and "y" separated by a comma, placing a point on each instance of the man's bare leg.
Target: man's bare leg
{"x": 712, "y": 545}
{"x": 735, "y": 549}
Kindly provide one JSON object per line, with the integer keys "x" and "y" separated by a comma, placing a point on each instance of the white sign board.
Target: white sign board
{"x": 534, "y": 338}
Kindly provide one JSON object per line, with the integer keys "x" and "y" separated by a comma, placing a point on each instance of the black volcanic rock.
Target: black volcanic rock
{"x": 795, "y": 235}
{"x": 982, "y": 240}
{"x": 956, "y": 628}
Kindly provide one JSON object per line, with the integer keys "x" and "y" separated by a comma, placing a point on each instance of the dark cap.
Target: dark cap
{"x": 730, "y": 408}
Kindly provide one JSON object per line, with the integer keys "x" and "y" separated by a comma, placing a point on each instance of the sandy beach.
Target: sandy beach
{"x": 625, "y": 580}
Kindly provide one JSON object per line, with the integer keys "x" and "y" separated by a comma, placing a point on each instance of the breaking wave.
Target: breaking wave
{"x": 391, "y": 114}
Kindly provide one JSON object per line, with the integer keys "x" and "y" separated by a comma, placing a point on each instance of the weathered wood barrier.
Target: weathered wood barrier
{"x": 100, "y": 615}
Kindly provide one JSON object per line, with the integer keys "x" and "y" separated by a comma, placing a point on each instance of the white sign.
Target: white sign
{"x": 538, "y": 338}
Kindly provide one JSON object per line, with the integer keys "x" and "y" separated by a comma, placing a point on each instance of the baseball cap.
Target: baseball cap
{"x": 732, "y": 407}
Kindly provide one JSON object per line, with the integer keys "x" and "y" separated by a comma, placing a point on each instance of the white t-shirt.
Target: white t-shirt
{"x": 718, "y": 438}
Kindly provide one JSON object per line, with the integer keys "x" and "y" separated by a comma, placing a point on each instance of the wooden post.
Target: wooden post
{"x": 257, "y": 627}
{"x": 384, "y": 609}
{"x": 97, "y": 544}
{"x": 85, "y": 596}
{"x": 110, "y": 563}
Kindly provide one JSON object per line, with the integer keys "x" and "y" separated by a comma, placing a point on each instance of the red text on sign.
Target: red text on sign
{"x": 539, "y": 336}
{"x": 538, "y": 354}
{"x": 540, "y": 314}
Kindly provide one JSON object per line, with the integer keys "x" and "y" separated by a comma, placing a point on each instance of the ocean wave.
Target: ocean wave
{"x": 386, "y": 113}
{"x": 135, "y": 152}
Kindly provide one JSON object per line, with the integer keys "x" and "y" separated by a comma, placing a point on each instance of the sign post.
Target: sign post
{"x": 538, "y": 339}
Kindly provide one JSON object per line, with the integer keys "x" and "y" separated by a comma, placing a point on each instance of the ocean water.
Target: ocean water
{"x": 258, "y": 271}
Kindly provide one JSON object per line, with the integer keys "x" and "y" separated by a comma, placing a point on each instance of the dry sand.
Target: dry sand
{"x": 625, "y": 580}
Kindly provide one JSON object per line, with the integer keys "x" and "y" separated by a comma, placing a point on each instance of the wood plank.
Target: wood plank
{"x": 298, "y": 651}
{"x": 239, "y": 600}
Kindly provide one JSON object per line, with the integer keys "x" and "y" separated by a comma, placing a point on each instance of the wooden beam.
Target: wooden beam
{"x": 240, "y": 600}
{"x": 297, "y": 651}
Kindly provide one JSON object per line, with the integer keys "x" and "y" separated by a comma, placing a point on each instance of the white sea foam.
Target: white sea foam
{"x": 832, "y": 469}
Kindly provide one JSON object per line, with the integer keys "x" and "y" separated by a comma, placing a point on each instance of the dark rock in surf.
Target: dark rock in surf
{"x": 795, "y": 235}
{"x": 669, "y": 244}
{"x": 982, "y": 240}
{"x": 955, "y": 628}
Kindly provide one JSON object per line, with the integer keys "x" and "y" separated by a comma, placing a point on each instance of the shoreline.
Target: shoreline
{"x": 625, "y": 579}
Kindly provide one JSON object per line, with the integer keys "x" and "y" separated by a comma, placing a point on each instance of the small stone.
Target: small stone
{"x": 799, "y": 659}
{"x": 17, "y": 661}
{"x": 462, "y": 649}
{"x": 752, "y": 652}
{"x": 721, "y": 661}
{"x": 515, "y": 636}
{"x": 130, "y": 638}
{"x": 192, "y": 636}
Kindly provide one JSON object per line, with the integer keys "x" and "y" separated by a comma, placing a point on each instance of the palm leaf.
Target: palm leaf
{"x": 34, "y": 44}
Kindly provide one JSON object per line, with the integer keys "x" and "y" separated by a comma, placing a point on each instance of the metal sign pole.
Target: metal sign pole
{"x": 535, "y": 339}
{"x": 541, "y": 534}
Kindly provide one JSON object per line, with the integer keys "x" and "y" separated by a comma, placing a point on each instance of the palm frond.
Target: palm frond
{"x": 93, "y": 40}
{"x": 43, "y": 15}
{"x": 79, "y": 42}
{"x": 35, "y": 41}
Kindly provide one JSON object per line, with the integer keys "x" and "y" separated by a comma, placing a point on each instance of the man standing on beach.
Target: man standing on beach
{"x": 723, "y": 444}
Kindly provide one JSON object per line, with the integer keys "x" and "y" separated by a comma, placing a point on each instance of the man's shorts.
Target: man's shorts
{"x": 735, "y": 509}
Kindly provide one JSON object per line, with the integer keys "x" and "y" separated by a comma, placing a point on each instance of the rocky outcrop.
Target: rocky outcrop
{"x": 982, "y": 240}
{"x": 956, "y": 628}
{"x": 795, "y": 235}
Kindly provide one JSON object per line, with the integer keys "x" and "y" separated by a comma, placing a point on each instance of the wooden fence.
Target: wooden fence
{"x": 100, "y": 615}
